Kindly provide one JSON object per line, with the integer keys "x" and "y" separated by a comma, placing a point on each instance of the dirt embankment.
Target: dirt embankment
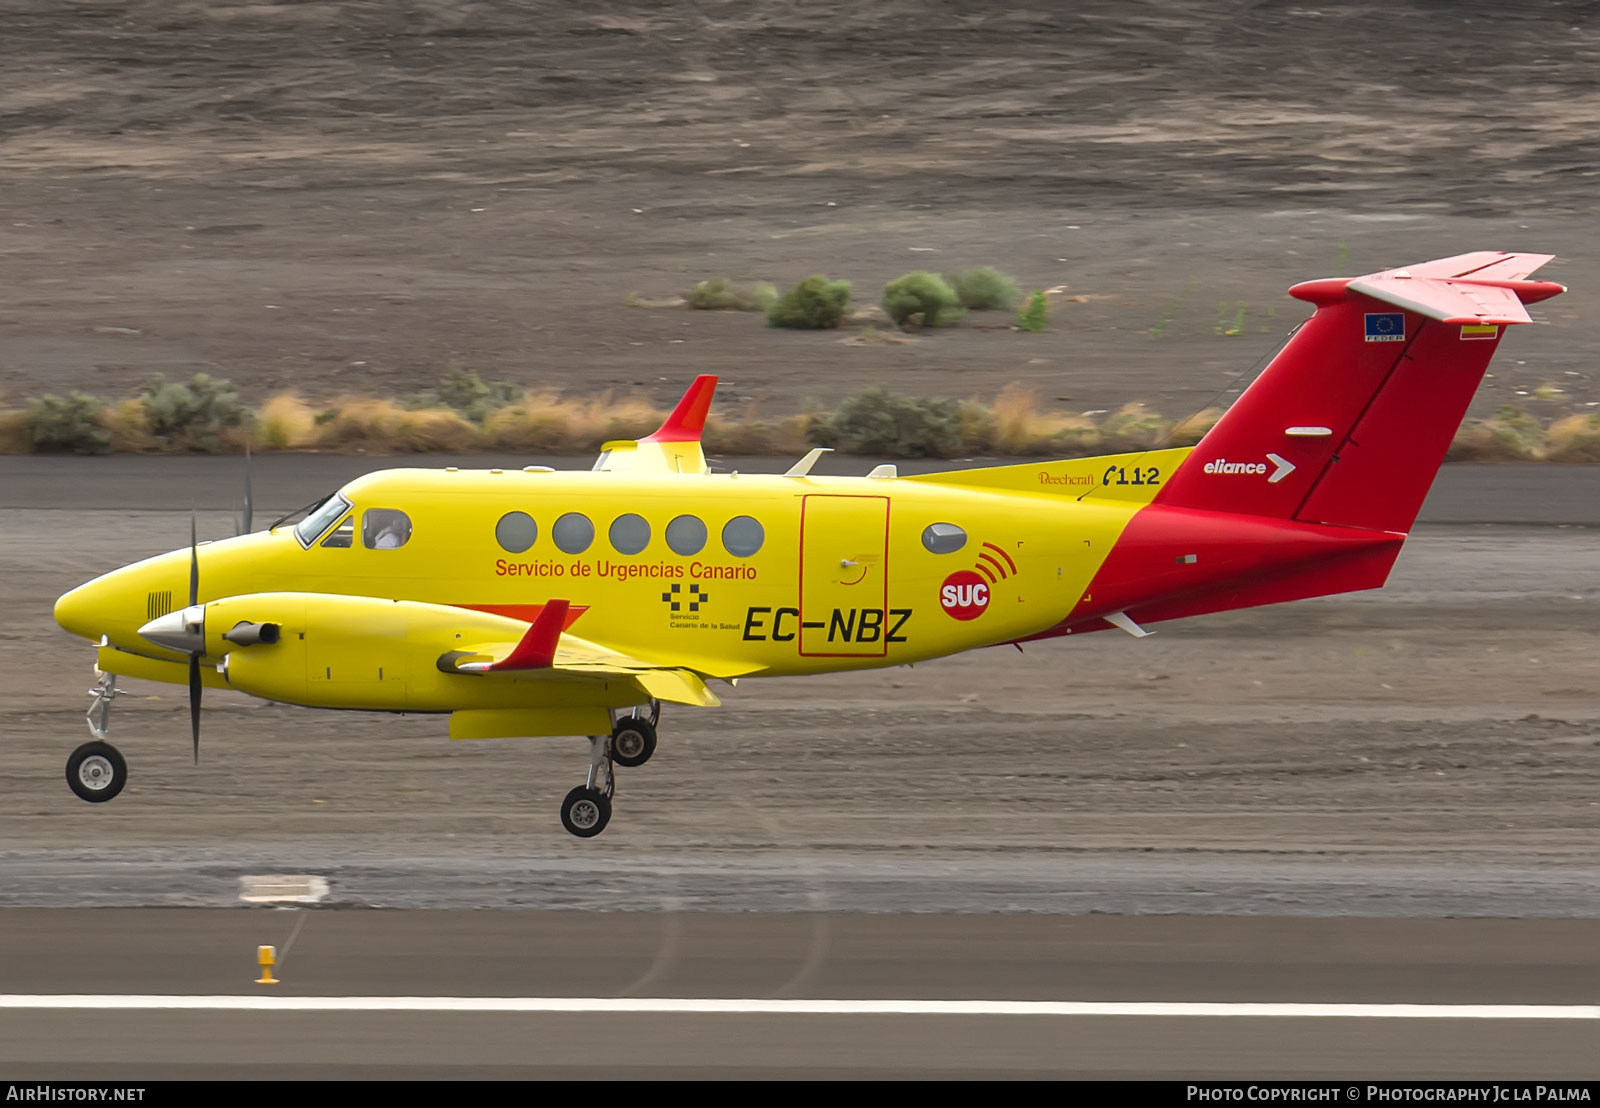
{"x": 334, "y": 197}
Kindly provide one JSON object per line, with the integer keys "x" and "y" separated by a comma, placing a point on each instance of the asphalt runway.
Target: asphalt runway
{"x": 621, "y": 972}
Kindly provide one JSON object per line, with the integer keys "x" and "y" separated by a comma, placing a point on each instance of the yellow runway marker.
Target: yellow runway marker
{"x": 267, "y": 956}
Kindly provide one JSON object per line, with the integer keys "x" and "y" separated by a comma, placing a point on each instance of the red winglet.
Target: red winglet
{"x": 538, "y": 646}
{"x": 688, "y": 419}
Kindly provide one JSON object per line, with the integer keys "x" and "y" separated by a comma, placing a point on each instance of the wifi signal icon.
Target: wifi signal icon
{"x": 997, "y": 566}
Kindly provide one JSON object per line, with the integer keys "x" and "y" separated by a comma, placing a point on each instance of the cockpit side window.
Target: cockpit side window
{"x": 385, "y": 529}
{"x": 320, "y": 519}
{"x": 342, "y": 535}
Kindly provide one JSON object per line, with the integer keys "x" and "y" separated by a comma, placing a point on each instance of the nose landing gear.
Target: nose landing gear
{"x": 96, "y": 770}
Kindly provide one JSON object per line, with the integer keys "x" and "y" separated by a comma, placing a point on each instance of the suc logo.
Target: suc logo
{"x": 964, "y": 595}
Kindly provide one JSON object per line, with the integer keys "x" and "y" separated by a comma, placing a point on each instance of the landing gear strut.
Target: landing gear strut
{"x": 96, "y": 771}
{"x": 587, "y": 808}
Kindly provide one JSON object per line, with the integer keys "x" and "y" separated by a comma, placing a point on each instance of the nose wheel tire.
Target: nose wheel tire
{"x": 633, "y": 740}
{"x": 585, "y": 812}
{"x": 96, "y": 772}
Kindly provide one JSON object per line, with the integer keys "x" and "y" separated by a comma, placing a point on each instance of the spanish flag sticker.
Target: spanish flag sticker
{"x": 1479, "y": 331}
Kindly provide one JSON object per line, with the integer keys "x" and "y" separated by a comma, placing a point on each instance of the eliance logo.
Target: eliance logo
{"x": 1282, "y": 467}
{"x": 1221, "y": 465}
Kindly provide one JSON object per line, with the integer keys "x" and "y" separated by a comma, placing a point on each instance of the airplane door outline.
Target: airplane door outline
{"x": 839, "y": 536}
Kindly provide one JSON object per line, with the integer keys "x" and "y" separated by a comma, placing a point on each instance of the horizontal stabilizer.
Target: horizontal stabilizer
{"x": 1445, "y": 300}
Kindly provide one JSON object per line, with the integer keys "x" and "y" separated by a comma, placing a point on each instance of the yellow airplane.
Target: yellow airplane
{"x": 537, "y": 603}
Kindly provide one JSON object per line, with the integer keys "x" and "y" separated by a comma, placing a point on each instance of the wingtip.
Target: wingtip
{"x": 688, "y": 419}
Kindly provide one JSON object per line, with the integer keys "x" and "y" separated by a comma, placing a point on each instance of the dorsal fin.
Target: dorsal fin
{"x": 688, "y": 419}
{"x": 675, "y": 445}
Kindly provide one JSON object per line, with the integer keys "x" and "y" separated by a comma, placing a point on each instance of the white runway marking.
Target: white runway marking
{"x": 671, "y": 1006}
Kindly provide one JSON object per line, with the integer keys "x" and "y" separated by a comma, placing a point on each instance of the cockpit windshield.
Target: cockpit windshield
{"x": 319, "y": 519}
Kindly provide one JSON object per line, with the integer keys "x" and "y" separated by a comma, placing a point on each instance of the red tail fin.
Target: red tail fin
{"x": 1349, "y": 423}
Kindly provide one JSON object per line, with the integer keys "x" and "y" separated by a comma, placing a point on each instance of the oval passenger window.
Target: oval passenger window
{"x": 943, "y": 538}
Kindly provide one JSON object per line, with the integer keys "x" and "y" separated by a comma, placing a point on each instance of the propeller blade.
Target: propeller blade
{"x": 194, "y": 562}
{"x": 249, "y": 500}
{"x": 194, "y": 658}
{"x": 194, "y": 703}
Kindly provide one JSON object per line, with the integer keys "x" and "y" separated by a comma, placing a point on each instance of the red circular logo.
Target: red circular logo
{"x": 964, "y": 595}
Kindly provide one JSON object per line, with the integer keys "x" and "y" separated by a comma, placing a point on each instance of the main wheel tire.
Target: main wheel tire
{"x": 96, "y": 772}
{"x": 585, "y": 812}
{"x": 633, "y": 740}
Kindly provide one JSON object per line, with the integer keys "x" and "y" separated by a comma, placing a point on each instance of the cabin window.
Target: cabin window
{"x": 385, "y": 529}
{"x": 515, "y": 532}
{"x": 573, "y": 533}
{"x": 686, "y": 535}
{"x": 943, "y": 538}
{"x": 343, "y": 535}
{"x": 743, "y": 536}
{"x": 630, "y": 534}
{"x": 321, "y": 517}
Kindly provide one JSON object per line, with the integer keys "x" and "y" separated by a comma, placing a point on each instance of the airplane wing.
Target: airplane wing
{"x": 674, "y": 447}
{"x": 546, "y": 651}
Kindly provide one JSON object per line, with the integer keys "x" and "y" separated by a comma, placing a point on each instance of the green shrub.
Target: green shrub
{"x": 192, "y": 415}
{"x": 918, "y": 299}
{"x": 815, "y": 303}
{"x": 874, "y": 421}
{"x": 470, "y": 395}
{"x": 718, "y": 294}
{"x": 984, "y": 289}
{"x": 1031, "y": 317}
{"x": 69, "y": 424}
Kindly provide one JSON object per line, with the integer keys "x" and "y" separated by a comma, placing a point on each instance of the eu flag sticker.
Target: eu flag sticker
{"x": 1386, "y": 327}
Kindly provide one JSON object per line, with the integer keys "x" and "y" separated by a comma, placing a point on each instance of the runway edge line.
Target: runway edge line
{"x": 698, "y": 1006}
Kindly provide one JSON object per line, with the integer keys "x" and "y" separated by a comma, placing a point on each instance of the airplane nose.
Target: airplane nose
{"x": 77, "y": 611}
{"x": 183, "y": 631}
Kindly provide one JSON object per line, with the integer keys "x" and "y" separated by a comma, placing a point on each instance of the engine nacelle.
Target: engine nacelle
{"x": 332, "y": 650}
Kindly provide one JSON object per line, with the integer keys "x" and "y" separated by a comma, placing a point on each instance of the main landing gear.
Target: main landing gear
{"x": 96, "y": 771}
{"x": 587, "y": 808}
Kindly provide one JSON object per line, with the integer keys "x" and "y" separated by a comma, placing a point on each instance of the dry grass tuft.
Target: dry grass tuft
{"x": 384, "y": 427}
{"x": 1575, "y": 438}
{"x": 1132, "y": 427}
{"x": 1189, "y": 431}
{"x": 129, "y": 424}
{"x": 1022, "y": 426}
{"x": 14, "y": 438}
{"x": 1510, "y": 435}
{"x": 872, "y": 336}
{"x": 286, "y": 423}
{"x": 545, "y": 423}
